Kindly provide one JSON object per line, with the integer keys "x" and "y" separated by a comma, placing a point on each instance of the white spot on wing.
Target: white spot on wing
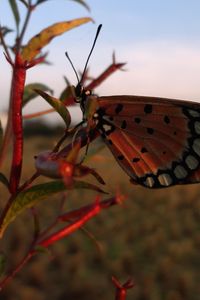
{"x": 149, "y": 181}
{"x": 194, "y": 113}
{"x": 107, "y": 127}
{"x": 197, "y": 127}
{"x": 180, "y": 172}
{"x": 196, "y": 146}
{"x": 191, "y": 162}
{"x": 165, "y": 179}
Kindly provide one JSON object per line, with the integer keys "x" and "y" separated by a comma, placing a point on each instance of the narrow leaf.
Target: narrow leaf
{"x": 57, "y": 105}
{"x": 24, "y": 2}
{"x": 34, "y": 46}
{"x": 38, "y": 193}
{"x": 15, "y": 11}
{"x": 82, "y": 3}
{"x": 68, "y": 96}
{"x": 79, "y": 1}
{"x": 40, "y": 2}
{"x": 4, "y": 180}
{"x": 29, "y": 92}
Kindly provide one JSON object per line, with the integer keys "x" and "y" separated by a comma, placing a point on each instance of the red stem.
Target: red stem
{"x": 13, "y": 273}
{"x": 70, "y": 228}
{"x": 84, "y": 214}
{"x": 18, "y": 81}
{"x": 111, "y": 69}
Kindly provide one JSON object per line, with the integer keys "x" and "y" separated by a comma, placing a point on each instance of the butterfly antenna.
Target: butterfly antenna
{"x": 71, "y": 63}
{"x": 95, "y": 39}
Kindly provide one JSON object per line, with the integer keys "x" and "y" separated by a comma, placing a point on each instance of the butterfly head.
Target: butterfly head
{"x": 88, "y": 104}
{"x": 81, "y": 95}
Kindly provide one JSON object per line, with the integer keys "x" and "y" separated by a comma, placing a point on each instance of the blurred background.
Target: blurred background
{"x": 154, "y": 237}
{"x": 159, "y": 41}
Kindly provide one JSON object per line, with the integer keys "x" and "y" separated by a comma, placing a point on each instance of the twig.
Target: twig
{"x": 4, "y": 44}
{"x": 24, "y": 27}
{"x": 13, "y": 273}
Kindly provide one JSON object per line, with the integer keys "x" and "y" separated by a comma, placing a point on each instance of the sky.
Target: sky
{"x": 159, "y": 41}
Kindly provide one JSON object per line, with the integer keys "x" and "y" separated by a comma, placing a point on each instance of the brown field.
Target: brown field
{"x": 154, "y": 238}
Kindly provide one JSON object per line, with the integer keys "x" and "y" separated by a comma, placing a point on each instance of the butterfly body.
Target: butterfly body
{"x": 155, "y": 140}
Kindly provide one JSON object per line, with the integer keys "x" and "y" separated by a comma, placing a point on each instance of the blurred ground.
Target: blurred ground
{"x": 154, "y": 238}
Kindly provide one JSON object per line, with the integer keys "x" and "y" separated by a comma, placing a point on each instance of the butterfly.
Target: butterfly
{"x": 156, "y": 141}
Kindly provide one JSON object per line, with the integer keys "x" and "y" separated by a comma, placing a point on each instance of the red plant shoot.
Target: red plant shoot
{"x": 18, "y": 81}
{"x": 121, "y": 289}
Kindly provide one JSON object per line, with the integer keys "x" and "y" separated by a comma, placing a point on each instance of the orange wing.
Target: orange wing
{"x": 155, "y": 140}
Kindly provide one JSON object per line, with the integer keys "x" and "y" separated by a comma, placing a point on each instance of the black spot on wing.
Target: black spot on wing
{"x": 124, "y": 124}
{"x": 150, "y": 130}
{"x": 148, "y": 108}
{"x": 144, "y": 150}
{"x": 118, "y": 108}
{"x": 137, "y": 120}
{"x": 166, "y": 119}
{"x": 135, "y": 159}
{"x": 120, "y": 157}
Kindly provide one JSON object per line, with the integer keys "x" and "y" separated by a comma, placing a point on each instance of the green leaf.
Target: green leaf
{"x": 57, "y": 105}
{"x": 4, "y": 180}
{"x": 68, "y": 95}
{"x": 15, "y": 11}
{"x": 38, "y": 193}
{"x": 40, "y": 2}
{"x": 79, "y": 1}
{"x": 82, "y": 3}
{"x": 24, "y": 2}
{"x": 34, "y": 46}
{"x": 29, "y": 92}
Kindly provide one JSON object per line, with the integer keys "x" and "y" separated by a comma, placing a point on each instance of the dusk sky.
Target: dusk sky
{"x": 159, "y": 40}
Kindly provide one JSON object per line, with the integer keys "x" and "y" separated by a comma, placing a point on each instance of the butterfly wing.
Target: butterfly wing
{"x": 155, "y": 140}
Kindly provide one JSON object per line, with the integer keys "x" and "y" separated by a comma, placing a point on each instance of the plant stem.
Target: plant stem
{"x": 13, "y": 273}
{"x": 18, "y": 81}
{"x": 70, "y": 228}
{"x": 24, "y": 27}
{"x": 102, "y": 77}
{"x": 28, "y": 182}
{"x": 17, "y": 46}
